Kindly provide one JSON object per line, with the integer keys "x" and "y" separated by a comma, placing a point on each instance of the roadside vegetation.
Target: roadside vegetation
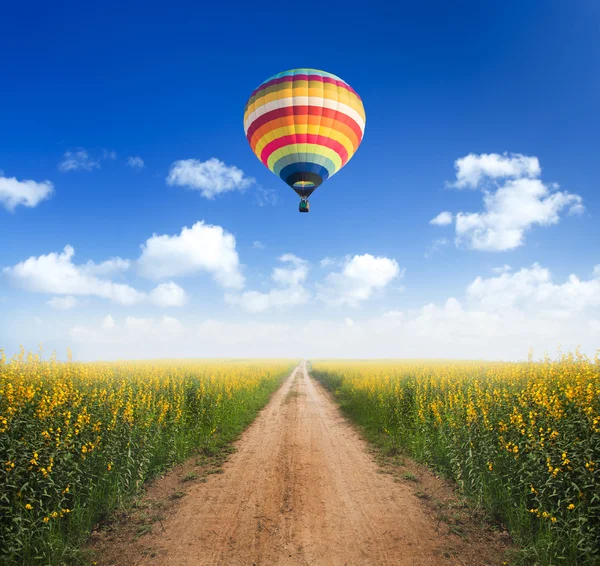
{"x": 77, "y": 440}
{"x": 521, "y": 439}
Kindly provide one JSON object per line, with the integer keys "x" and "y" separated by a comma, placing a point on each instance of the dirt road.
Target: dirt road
{"x": 301, "y": 490}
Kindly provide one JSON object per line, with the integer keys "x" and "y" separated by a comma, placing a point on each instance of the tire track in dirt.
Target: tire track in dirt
{"x": 301, "y": 489}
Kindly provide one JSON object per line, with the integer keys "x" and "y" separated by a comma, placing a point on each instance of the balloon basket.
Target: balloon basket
{"x": 304, "y": 206}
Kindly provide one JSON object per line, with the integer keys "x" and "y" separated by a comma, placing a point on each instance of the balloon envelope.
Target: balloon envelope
{"x": 304, "y": 125}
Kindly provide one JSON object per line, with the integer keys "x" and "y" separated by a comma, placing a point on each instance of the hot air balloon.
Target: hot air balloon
{"x": 304, "y": 125}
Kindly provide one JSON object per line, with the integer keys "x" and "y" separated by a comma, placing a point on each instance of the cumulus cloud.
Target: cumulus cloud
{"x": 498, "y": 317}
{"x": 531, "y": 290}
{"x": 135, "y": 162}
{"x": 78, "y": 160}
{"x": 472, "y": 169}
{"x": 293, "y": 275}
{"x": 63, "y": 303}
{"x": 210, "y": 177}
{"x": 25, "y": 193}
{"x": 289, "y": 292}
{"x": 168, "y": 295}
{"x": 257, "y": 245}
{"x": 108, "y": 267}
{"x": 56, "y": 274}
{"x": 203, "y": 247}
{"x": 359, "y": 278}
{"x": 510, "y": 212}
{"x": 442, "y": 219}
{"x": 513, "y": 204}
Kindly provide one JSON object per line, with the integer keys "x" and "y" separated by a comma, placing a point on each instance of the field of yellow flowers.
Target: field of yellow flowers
{"x": 77, "y": 438}
{"x": 523, "y": 439}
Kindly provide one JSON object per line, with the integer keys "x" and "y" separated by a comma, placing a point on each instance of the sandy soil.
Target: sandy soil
{"x": 302, "y": 489}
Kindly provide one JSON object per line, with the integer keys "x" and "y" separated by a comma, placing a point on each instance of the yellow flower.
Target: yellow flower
{"x": 571, "y": 506}
{"x": 46, "y": 519}
{"x": 28, "y": 507}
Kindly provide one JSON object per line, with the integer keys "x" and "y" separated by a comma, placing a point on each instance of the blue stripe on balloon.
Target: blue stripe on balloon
{"x": 296, "y": 159}
{"x": 304, "y": 168}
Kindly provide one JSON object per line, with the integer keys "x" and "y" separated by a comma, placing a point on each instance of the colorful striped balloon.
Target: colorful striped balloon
{"x": 304, "y": 125}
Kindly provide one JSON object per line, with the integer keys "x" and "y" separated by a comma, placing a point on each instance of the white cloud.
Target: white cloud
{"x": 257, "y": 245}
{"x": 266, "y": 197}
{"x": 442, "y": 219}
{"x": 510, "y": 212}
{"x": 359, "y": 278}
{"x": 327, "y": 262}
{"x": 255, "y": 301}
{"x": 168, "y": 295}
{"x": 63, "y": 303}
{"x": 291, "y": 291}
{"x": 531, "y": 290}
{"x": 503, "y": 269}
{"x": 108, "y": 322}
{"x": 108, "y": 267}
{"x": 436, "y": 246}
{"x": 26, "y": 193}
{"x": 139, "y": 335}
{"x": 393, "y": 314}
{"x": 168, "y": 337}
{"x": 56, "y": 274}
{"x": 472, "y": 169}
{"x": 511, "y": 207}
{"x": 499, "y": 317}
{"x": 210, "y": 177}
{"x": 135, "y": 162}
{"x": 202, "y": 247}
{"x": 596, "y": 270}
{"x": 79, "y": 159}
{"x": 291, "y": 276}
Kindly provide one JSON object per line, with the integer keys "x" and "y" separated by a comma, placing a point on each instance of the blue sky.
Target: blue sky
{"x": 85, "y": 87}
